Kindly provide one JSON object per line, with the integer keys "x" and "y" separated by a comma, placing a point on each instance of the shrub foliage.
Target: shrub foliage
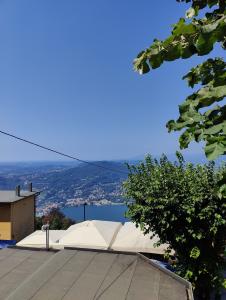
{"x": 57, "y": 220}
{"x": 179, "y": 203}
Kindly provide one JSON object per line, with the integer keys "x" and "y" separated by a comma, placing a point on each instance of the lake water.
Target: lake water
{"x": 93, "y": 212}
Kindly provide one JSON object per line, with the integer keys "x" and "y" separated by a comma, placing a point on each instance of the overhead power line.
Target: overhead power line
{"x": 61, "y": 153}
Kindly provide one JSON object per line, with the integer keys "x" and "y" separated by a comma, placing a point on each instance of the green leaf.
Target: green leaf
{"x": 224, "y": 127}
{"x": 214, "y": 150}
{"x": 214, "y": 129}
{"x": 181, "y": 28}
{"x": 185, "y": 139}
{"x": 156, "y": 61}
{"x": 224, "y": 284}
{"x": 187, "y": 51}
{"x": 195, "y": 252}
{"x": 204, "y": 43}
{"x": 188, "y": 274}
{"x": 173, "y": 52}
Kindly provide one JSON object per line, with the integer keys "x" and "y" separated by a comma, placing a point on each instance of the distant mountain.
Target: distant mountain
{"x": 68, "y": 183}
{"x": 65, "y": 185}
{"x": 30, "y": 167}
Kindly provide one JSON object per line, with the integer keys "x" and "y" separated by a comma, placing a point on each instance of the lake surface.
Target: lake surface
{"x": 93, "y": 212}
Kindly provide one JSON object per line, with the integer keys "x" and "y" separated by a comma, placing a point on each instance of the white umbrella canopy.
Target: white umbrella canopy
{"x": 131, "y": 239}
{"x": 91, "y": 234}
{"x": 38, "y": 239}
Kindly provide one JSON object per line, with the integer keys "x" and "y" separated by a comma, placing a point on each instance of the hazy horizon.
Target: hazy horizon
{"x": 196, "y": 157}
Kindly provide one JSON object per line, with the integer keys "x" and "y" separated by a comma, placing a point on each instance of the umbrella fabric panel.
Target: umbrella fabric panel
{"x": 38, "y": 238}
{"x": 131, "y": 238}
{"x": 91, "y": 234}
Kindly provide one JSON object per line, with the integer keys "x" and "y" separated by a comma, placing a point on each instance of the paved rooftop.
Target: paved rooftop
{"x": 84, "y": 275}
{"x": 10, "y": 196}
{"x": 16, "y": 266}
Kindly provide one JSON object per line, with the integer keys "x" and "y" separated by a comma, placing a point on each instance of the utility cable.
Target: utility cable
{"x": 61, "y": 153}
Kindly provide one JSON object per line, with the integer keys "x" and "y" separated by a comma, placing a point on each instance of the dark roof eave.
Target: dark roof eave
{"x": 34, "y": 193}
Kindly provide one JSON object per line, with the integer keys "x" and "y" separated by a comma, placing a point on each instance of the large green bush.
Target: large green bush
{"x": 179, "y": 203}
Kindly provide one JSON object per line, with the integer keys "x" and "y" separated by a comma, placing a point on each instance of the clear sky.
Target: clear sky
{"x": 66, "y": 78}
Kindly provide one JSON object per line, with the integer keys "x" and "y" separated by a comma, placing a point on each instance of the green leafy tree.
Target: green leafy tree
{"x": 202, "y": 117}
{"x": 56, "y": 219}
{"x": 178, "y": 203}
{"x": 203, "y": 113}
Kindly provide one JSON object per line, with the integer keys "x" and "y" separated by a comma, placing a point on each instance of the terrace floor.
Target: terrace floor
{"x": 72, "y": 274}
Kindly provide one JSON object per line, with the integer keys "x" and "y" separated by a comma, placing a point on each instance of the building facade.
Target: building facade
{"x": 17, "y": 214}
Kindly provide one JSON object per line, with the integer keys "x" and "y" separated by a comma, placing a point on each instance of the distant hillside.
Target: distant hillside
{"x": 17, "y": 168}
{"x": 69, "y": 183}
{"x": 78, "y": 183}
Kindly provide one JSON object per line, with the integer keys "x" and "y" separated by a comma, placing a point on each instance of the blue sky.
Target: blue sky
{"x": 66, "y": 78}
